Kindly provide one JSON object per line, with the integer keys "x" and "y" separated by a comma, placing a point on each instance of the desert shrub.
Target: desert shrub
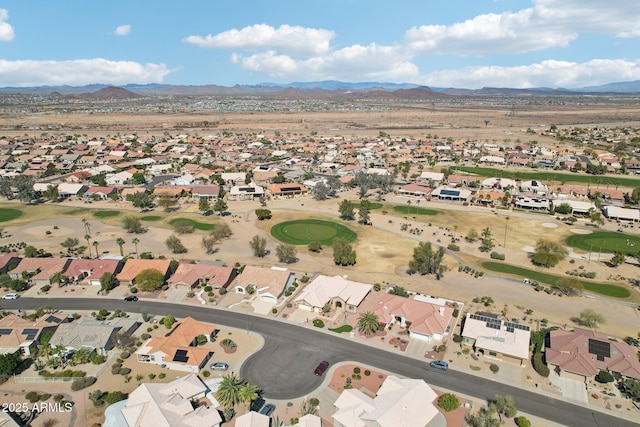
{"x": 145, "y": 336}
{"x": 116, "y": 366}
{"x": 222, "y": 291}
{"x": 314, "y": 401}
{"x": 83, "y": 382}
{"x": 124, "y": 371}
{"x": 125, "y": 355}
{"x": 58, "y": 397}
{"x": 449, "y": 402}
{"x": 115, "y": 396}
{"x": 44, "y": 396}
{"x": 208, "y": 288}
{"x": 162, "y": 375}
{"x": 32, "y": 396}
{"x": 206, "y": 374}
{"x": 367, "y": 373}
{"x": 522, "y": 421}
{"x": 274, "y": 310}
{"x": 45, "y": 288}
{"x": 152, "y": 376}
{"x": 97, "y": 359}
{"x": 457, "y": 338}
{"x": 496, "y": 255}
{"x": 604, "y": 377}
{"x": 453, "y": 247}
{"x": 356, "y": 370}
{"x": 539, "y": 366}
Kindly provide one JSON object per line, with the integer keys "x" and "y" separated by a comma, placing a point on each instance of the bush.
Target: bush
{"x": 496, "y": 255}
{"x": 457, "y": 338}
{"x": 125, "y": 355}
{"x": 145, "y": 336}
{"x": 222, "y": 291}
{"x": 162, "y": 375}
{"x": 206, "y": 374}
{"x": 453, "y": 247}
{"x": 314, "y": 401}
{"x": 97, "y": 359}
{"x": 356, "y": 370}
{"x": 116, "y": 366}
{"x": 522, "y": 421}
{"x": 124, "y": 371}
{"x": 152, "y": 376}
{"x": 367, "y": 372}
{"x": 539, "y": 366}
{"x": 82, "y": 383}
{"x": 207, "y": 288}
{"x": 32, "y": 396}
{"x": 45, "y": 288}
{"x": 449, "y": 402}
{"x": 58, "y": 398}
{"x": 494, "y": 368}
{"x": 604, "y": 377}
{"x": 115, "y": 396}
{"x": 274, "y": 310}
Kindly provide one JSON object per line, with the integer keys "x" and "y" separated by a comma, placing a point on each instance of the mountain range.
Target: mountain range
{"x": 328, "y": 88}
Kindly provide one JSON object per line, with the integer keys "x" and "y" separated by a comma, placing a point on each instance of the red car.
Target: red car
{"x": 322, "y": 366}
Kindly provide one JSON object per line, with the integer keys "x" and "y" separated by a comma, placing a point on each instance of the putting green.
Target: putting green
{"x": 305, "y": 231}
{"x": 7, "y": 214}
{"x": 606, "y": 241}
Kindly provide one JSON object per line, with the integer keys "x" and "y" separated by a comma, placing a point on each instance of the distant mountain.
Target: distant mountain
{"x": 108, "y": 93}
{"x": 618, "y": 87}
{"x": 342, "y": 86}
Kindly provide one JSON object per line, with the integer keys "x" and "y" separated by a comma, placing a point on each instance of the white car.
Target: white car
{"x": 11, "y": 296}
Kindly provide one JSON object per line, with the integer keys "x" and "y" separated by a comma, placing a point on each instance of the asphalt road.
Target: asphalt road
{"x": 283, "y": 368}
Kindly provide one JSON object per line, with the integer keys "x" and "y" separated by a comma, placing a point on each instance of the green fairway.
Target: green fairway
{"x": 106, "y": 214}
{"x": 305, "y": 231}
{"x": 414, "y": 210}
{"x": 7, "y": 214}
{"x": 606, "y": 241}
{"x": 606, "y": 289}
{"x": 597, "y": 181}
{"x": 151, "y": 218}
{"x": 197, "y": 225}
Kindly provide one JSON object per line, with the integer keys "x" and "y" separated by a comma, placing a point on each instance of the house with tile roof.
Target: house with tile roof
{"x": 179, "y": 349}
{"x": 42, "y": 269}
{"x": 253, "y": 419}
{"x": 582, "y": 353}
{"x": 269, "y": 284}
{"x": 495, "y": 338}
{"x": 340, "y": 293}
{"x": 19, "y": 334}
{"x": 169, "y": 405}
{"x": 89, "y": 271}
{"x": 290, "y": 189}
{"x": 189, "y": 275}
{"x": 399, "y": 402}
{"x": 427, "y": 319}
{"x": 94, "y": 334}
{"x": 134, "y": 266}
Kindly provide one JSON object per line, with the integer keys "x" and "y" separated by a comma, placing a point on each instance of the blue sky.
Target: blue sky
{"x": 453, "y": 43}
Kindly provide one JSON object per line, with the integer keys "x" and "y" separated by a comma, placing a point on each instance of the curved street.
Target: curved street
{"x": 283, "y": 368}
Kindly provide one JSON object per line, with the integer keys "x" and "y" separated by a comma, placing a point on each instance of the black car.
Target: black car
{"x": 131, "y": 298}
{"x": 322, "y": 366}
{"x": 256, "y": 405}
{"x": 268, "y": 409}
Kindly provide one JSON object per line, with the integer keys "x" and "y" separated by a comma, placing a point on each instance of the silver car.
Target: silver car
{"x": 219, "y": 366}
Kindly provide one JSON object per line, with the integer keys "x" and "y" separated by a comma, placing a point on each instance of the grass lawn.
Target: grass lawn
{"x": 605, "y": 241}
{"x": 197, "y": 225}
{"x": 596, "y": 180}
{"x": 372, "y": 205}
{"x": 318, "y": 323}
{"x": 305, "y": 231}
{"x": 605, "y": 289}
{"x": 106, "y": 214}
{"x": 414, "y": 210}
{"x": 8, "y": 214}
{"x": 341, "y": 329}
{"x": 151, "y": 218}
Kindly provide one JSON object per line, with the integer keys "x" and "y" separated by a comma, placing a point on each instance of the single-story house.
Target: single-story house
{"x": 287, "y": 189}
{"x": 190, "y": 275}
{"x": 454, "y": 194}
{"x": 432, "y": 178}
{"x": 179, "y": 349}
{"x": 102, "y": 193}
{"x": 582, "y": 353}
{"x": 134, "y": 266}
{"x": 427, "y": 319}
{"x": 336, "y": 291}
{"x": 533, "y": 203}
{"x": 44, "y": 269}
{"x": 253, "y": 419}
{"x": 416, "y": 190}
{"x": 169, "y": 405}
{"x": 209, "y": 192}
{"x": 92, "y": 333}
{"x": 89, "y": 271}
{"x": 66, "y": 189}
{"x": 627, "y": 214}
{"x": 269, "y": 283}
{"x": 20, "y": 334}
{"x": 534, "y": 186}
{"x": 398, "y": 402}
{"x": 246, "y": 192}
{"x": 496, "y": 338}
{"x": 577, "y": 206}
{"x": 9, "y": 261}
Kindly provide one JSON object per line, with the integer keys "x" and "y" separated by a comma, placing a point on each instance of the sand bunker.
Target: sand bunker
{"x": 549, "y": 225}
{"x": 581, "y": 231}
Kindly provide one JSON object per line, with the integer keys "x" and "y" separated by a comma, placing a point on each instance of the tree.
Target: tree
{"x": 248, "y": 392}
{"x": 596, "y": 217}
{"x": 486, "y": 240}
{"x": 368, "y": 323}
{"x": 51, "y": 193}
{"x": 229, "y": 390}
{"x": 220, "y": 206}
{"x": 9, "y": 363}
{"x": 59, "y": 278}
{"x": 135, "y": 241}
{"x": 286, "y": 253}
{"x": 87, "y": 237}
{"x": 472, "y": 236}
{"x": 263, "y": 214}
{"x": 140, "y": 199}
{"x": 314, "y": 247}
{"x": 320, "y": 191}
{"x": 203, "y": 204}
{"x": 167, "y": 202}
{"x": 619, "y": 258}
{"x": 399, "y": 291}
{"x": 426, "y": 260}
{"x": 115, "y": 396}
{"x": 343, "y": 253}
{"x": 504, "y": 405}
{"x": 175, "y": 245}
{"x": 149, "y": 280}
{"x": 568, "y": 286}
{"x": 138, "y": 178}
{"x": 221, "y": 231}
{"x": 564, "y": 208}
{"x": 333, "y": 185}
{"x": 364, "y": 212}
{"x": 483, "y": 418}
{"x": 120, "y": 243}
{"x": 591, "y": 319}
{"x": 108, "y": 281}
{"x": 96, "y": 245}
{"x": 364, "y": 182}
{"x": 631, "y": 388}
{"x": 258, "y": 245}
{"x": 131, "y": 224}
{"x": 208, "y": 243}
{"x": 346, "y": 209}
{"x": 183, "y": 226}
{"x": 168, "y": 321}
{"x": 70, "y": 243}
{"x": 449, "y": 402}
{"x": 548, "y": 254}
{"x": 31, "y": 252}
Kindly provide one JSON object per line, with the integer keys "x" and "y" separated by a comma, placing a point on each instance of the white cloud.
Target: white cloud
{"x": 79, "y": 72}
{"x": 6, "y": 30}
{"x": 122, "y": 30}
{"x": 551, "y": 73}
{"x": 286, "y": 39}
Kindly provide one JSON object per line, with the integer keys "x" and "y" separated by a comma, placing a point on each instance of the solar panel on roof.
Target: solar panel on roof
{"x": 30, "y": 333}
{"x": 53, "y": 319}
{"x": 601, "y": 349}
{"x": 5, "y": 331}
{"x": 180, "y": 356}
{"x": 453, "y": 193}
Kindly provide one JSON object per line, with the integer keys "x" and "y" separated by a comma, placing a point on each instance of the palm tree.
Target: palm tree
{"x": 58, "y": 278}
{"x": 229, "y": 390}
{"x": 368, "y": 323}
{"x": 248, "y": 393}
{"x": 135, "y": 241}
{"x": 120, "y": 242}
{"x": 87, "y": 226}
{"x": 87, "y": 237}
{"x": 95, "y": 244}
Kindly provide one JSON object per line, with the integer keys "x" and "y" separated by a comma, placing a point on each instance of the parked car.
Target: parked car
{"x": 526, "y": 281}
{"x": 219, "y": 366}
{"x": 11, "y": 296}
{"x": 268, "y": 409}
{"x": 131, "y": 298}
{"x": 439, "y": 364}
{"x": 322, "y": 366}
{"x": 256, "y": 405}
